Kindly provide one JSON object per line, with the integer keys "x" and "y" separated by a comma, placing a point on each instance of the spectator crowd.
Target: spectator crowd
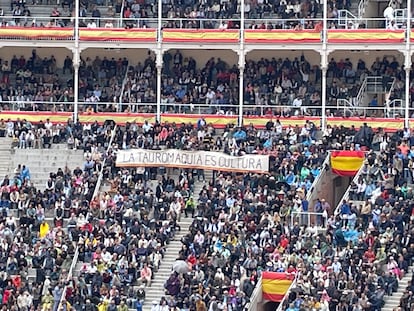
{"x": 243, "y": 224}
{"x": 37, "y": 240}
{"x": 276, "y": 86}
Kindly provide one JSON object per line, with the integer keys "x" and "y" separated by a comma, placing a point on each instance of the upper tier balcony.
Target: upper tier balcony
{"x": 185, "y": 31}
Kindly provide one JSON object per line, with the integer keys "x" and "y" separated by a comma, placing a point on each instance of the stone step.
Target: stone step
{"x": 391, "y": 302}
{"x": 38, "y": 158}
{"x": 160, "y": 277}
{"x": 63, "y": 156}
{"x": 43, "y": 171}
{"x": 53, "y": 147}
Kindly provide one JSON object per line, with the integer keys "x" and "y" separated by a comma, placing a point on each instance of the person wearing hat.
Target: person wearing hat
{"x": 155, "y": 306}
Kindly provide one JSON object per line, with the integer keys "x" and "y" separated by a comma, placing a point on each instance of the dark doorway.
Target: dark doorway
{"x": 270, "y": 306}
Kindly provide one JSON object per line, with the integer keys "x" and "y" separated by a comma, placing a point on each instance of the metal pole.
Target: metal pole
{"x": 241, "y": 95}
{"x": 241, "y": 65}
{"x": 75, "y": 92}
{"x": 323, "y": 97}
{"x": 324, "y": 63}
{"x": 407, "y": 95}
{"x": 159, "y": 60}
{"x": 76, "y": 64}
{"x": 159, "y": 70}
{"x": 325, "y": 20}
{"x": 407, "y": 66}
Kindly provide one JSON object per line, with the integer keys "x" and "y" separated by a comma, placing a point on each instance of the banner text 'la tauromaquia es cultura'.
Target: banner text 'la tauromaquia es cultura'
{"x": 192, "y": 159}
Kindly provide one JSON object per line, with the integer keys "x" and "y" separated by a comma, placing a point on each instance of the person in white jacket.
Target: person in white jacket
{"x": 24, "y": 301}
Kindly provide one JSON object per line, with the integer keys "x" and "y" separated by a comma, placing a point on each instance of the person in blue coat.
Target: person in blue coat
{"x": 25, "y": 173}
{"x": 239, "y": 135}
{"x": 345, "y": 212}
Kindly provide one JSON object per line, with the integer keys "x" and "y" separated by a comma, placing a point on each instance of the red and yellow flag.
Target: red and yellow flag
{"x": 346, "y": 162}
{"x": 275, "y": 285}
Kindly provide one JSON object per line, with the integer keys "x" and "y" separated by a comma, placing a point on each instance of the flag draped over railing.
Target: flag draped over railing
{"x": 275, "y": 285}
{"x": 346, "y": 162}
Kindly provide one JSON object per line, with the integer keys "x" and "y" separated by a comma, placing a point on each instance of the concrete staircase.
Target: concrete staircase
{"x": 6, "y": 166}
{"x": 392, "y": 302}
{"x": 41, "y": 162}
{"x": 156, "y": 290}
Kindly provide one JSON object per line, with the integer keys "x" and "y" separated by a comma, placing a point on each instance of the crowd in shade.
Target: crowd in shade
{"x": 38, "y": 83}
{"x": 37, "y": 245}
{"x": 272, "y": 86}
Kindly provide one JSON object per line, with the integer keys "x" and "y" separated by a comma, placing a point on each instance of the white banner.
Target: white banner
{"x": 192, "y": 159}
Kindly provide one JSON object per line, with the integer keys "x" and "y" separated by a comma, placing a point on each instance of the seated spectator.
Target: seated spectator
{"x": 146, "y": 275}
{"x": 55, "y": 12}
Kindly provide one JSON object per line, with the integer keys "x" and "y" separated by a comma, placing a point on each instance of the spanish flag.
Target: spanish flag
{"x": 346, "y": 162}
{"x": 275, "y": 285}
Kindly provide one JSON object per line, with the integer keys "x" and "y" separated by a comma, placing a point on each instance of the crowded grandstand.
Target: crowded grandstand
{"x": 181, "y": 155}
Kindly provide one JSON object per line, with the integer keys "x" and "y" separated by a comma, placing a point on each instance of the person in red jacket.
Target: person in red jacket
{"x": 284, "y": 242}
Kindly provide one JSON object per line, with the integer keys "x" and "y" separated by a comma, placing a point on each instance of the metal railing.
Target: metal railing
{"x": 400, "y": 17}
{"x": 361, "y": 8}
{"x": 345, "y": 20}
{"x": 69, "y": 277}
{"x": 76, "y": 254}
{"x": 100, "y": 174}
{"x": 124, "y": 82}
{"x": 394, "y": 108}
{"x": 373, "y": 23}
{"x": 348, "y": 20}
{"x": 372, "y": 84}
{"x": 361, "y": 93}
{"x": 389, "y": 105}
{"x": 58, "y": 22}
{"x": 307, "y": 219}
{"x": 341, "y": 108}
{"x": 346, "y": 106}
{"x": 391, "y": 109}
{"x": 375, "y": 84}
{"x": 121, "y": 17}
